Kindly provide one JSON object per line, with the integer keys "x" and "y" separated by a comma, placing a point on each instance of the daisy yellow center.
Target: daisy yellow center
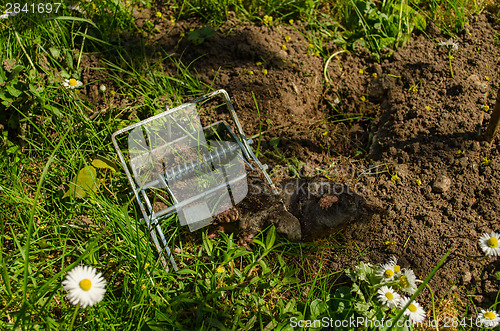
{"x": 489, "y": 315}
{"x": 85, "y": 284}
{"x": 389, "y": 296}
{"x": 72, "y": 82}
{"x": 388, "y": 273}
{"x": 412, "y": 308}
{"x": 403, "y": 281}
{"x": 492, "y": 242}
{"x": 397, "y": 268}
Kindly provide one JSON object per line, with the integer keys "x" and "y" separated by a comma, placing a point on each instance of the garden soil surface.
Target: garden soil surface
{"x": 407, "y": 131}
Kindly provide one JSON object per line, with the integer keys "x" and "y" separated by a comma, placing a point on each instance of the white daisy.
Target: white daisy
{"x": 488, "y": 318}
{"x": 389, "y": 270}
{"x": 388, "y": 296}
{"x": 72, "y": 83}
{"x": 449, "y": 44}
{"x": 407, "y": 281}
{"x": 415, "y": 312}
{"x": 489, "y": 244}
{"x": 84, "y": 286}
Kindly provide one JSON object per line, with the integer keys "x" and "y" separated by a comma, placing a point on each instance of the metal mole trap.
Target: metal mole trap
{"x": 176, "y": 166}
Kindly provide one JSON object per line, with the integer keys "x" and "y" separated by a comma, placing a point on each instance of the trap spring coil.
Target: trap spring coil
{"x": 222, "y": 154}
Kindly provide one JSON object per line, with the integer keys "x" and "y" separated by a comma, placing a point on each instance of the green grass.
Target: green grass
{"x": 50, "y": 133}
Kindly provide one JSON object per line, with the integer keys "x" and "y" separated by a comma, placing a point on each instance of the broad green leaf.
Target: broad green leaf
{"x": 69, "y": 60}
{"x": 318, "y": 307}
{"x": 64, "y": 74}
{"x": 54, "y": 110}
{"x": 55, "y": 52}
{"x": 186, "y": 271}
{"x": 13, "y": 91}
{"x": 101, "y": 162}
{"x": 82, "y": 183}
{"x": 6, "y": 97}
{"x": 270, "y": 238}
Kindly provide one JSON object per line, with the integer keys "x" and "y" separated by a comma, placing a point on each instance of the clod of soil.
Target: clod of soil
{"x": 305, "y": 209}
{"x": 441, "y": 184}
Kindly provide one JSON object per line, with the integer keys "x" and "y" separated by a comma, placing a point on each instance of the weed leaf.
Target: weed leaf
{"x": 54, "y": 110}
{"x": 270, "y": 238}
{"x": 103, "y": 163}
{"x": 82, "y": 183}
{"x": 273, "y": 142}
{"x": 13, "y": 91}
{"x": 56, "y": 53}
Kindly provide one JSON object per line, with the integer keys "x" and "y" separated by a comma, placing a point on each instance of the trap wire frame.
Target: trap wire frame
{"x": 177, "y": 161}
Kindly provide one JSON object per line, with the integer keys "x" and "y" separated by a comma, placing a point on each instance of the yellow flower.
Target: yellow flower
{"x": 485, "y": 161}
{"x": 268, "y": 19}
{"x": 486, "y": 108}
{"x": 427, "y": 107}
{"x": 112, "y": 92}
{"x": 310, "y": 46}
{"x": 362, "y": 98}
{"x": 374, "y": 75}
{"x": 264, "y": 71}
{"x": 291, "y": 21}
{"x": 361, "y": 71}
{"x": 287, "y": 38}
{"x": 182, "y": 34}
{"x": 258, "y": 63}
{"x": 220, "y": 269}
{"x": 418, "y": 181}
{"x": 158, "y": 14}
{"x": 283, "y": 47}
{"x": 250, "y": 72}
{"x": 316, "y": 53}
{"x": 487, "y": 78}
